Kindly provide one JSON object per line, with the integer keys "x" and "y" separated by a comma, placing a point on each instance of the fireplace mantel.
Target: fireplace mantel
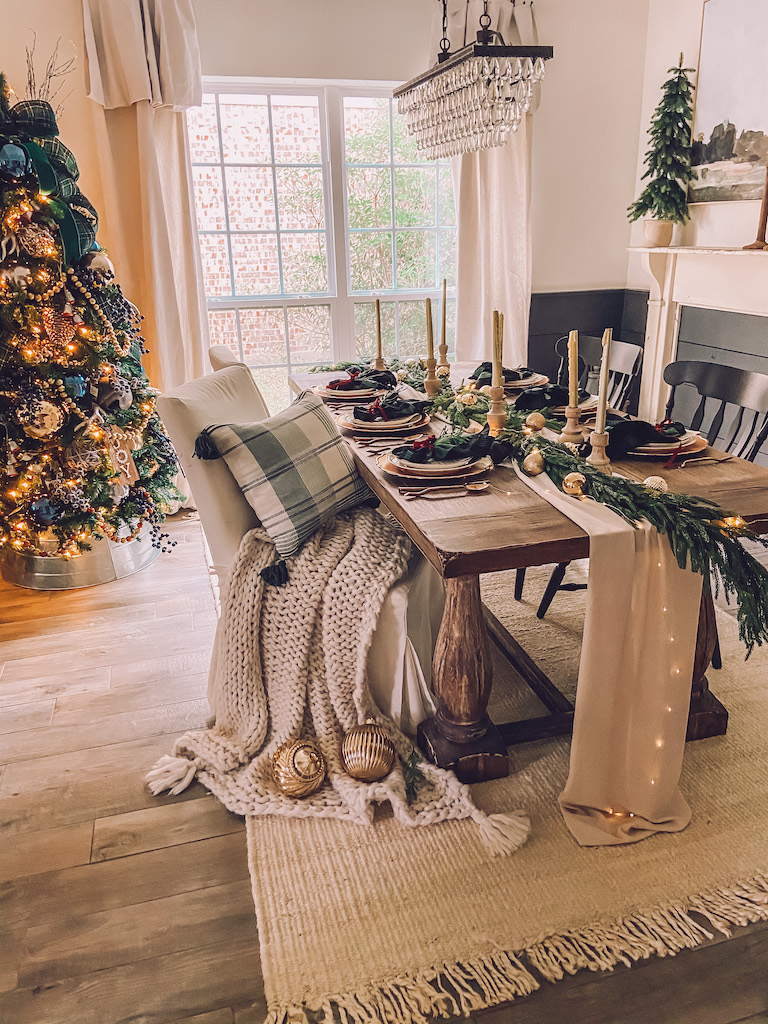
{"x": 729, "y": 279}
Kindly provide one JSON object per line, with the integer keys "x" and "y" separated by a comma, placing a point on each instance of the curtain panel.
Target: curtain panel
{"x": 492, "y": 188}
{"x": 143, "y": 70}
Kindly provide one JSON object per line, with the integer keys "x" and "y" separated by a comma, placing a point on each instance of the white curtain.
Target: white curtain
{"x": 492, "y": 188}
{"x": 143, "y": 70}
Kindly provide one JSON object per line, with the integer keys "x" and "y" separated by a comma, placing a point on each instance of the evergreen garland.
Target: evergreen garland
{"x": 669, "y": 158}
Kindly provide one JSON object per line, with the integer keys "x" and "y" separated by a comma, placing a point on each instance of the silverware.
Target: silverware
{"x": 707, "y": 458}
{"x": 450, "y": 490}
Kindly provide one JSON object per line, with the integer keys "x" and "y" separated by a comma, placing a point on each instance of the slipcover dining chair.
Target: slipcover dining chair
{"x": 626, "y": 360}
{"x": 400, "y": 657}
{"x": 221, "y": 356}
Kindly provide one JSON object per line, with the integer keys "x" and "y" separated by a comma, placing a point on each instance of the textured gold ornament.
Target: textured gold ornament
{"x": 37, "y": 241}
{"x": 48, "y": 418}
{"x": 367, "y": 752}
{"x": 535, "y": 421}
{"x": 298, "y": 768}
{"x": 656, "y": 483}
{"x": 59, "y": 327}
{"x": 533, "y": 463}
{"x": 574, "y": 484}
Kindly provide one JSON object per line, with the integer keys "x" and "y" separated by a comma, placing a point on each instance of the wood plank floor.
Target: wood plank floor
{"x": 117, "y": 908}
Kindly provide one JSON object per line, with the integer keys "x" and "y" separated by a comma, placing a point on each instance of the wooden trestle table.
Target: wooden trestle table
{"x": 508, "y": 527}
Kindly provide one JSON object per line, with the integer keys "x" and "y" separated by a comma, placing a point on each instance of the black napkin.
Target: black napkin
{"x": 545, "y": 396}
{"x": 361, "y": 377}
{"x": 455, "y": 446}
{"x": 626, "y": 435}
{"x": 391, "y": 407}
{"x": 484, "y": 375}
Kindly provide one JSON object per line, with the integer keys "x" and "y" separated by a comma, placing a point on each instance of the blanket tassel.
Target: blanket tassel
{"x": 171, "y": 773}
{"x": 276, "y": 575}
{"x": 503, "y": 833}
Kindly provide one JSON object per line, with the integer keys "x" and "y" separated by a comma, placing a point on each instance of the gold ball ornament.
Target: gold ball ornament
{"x": 468, "y": 398}
{"x": 443, "y": 371}
{"x": 533, "y": 463}
{"x": 298, "y": 768}
{"x": 367, "y": 752}
{"x": 535, "y": 421}
{"x": 574, "y": 484}
{"x": 656, "y": 483}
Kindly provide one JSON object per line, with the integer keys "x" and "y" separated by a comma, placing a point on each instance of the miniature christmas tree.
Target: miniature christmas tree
{"x": 669, "y": 158}
{"x": 83, "y": 455}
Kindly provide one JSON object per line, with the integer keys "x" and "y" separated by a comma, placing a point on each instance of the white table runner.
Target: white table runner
{"x": 634, "y": 684}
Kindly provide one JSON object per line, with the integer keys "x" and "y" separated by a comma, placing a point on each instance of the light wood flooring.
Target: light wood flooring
{"x": 119, "y": 908}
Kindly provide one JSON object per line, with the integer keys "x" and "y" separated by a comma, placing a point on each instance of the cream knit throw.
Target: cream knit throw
{"x": 290, "y": 662}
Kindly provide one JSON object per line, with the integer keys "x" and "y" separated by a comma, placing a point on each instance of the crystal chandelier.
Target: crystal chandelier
{"x": 474, "y": 98}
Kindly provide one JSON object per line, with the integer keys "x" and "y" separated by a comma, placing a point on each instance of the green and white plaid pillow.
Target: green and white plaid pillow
{"x": 294, "y": 469}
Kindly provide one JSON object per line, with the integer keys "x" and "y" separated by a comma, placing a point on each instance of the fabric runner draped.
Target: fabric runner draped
{"x": 634, "y": 685}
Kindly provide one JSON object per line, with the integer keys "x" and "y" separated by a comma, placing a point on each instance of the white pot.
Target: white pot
{"x": 657, "y": 233}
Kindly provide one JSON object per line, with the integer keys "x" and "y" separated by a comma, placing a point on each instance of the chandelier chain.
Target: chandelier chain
{"x": 485, "y": 18}
{"x": 445, "y": 43}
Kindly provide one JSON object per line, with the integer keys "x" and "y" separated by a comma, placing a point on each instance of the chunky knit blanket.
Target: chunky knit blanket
{"x": 290, "y": 662}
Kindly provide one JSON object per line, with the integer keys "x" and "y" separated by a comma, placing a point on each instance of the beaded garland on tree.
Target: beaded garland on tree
{"x": 83, "y": 453}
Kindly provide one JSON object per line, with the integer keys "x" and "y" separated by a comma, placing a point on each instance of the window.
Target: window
{"x": 311, "y": 202}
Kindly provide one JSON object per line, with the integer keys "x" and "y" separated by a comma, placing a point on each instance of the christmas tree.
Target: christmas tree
{"x": 83, "y": 454}
{"x": 669, "y": 158}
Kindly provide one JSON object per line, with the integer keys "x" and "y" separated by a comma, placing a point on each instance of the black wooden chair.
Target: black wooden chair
{"x": 625, "y": 367}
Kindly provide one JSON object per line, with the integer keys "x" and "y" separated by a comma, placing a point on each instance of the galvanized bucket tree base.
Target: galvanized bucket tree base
{"x": 105, "y": 562}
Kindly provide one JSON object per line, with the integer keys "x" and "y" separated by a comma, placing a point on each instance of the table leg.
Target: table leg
{"x": 461, "y": 736}
{"x": 707, "y": 716}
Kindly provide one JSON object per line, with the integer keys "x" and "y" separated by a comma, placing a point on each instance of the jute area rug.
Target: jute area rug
{"x": 393, "y": 924}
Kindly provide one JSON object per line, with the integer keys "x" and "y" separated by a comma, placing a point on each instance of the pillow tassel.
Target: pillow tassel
{"x": 275, "y": 575}
{"x": 204, "y": 446}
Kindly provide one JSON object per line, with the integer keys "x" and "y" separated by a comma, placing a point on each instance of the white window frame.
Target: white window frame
{"x": 339, "y": 297}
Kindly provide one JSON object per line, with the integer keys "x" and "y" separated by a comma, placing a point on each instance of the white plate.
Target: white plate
{"x": 349, "y": 420}
{"x": 527, "y": 382}
{"x": 668, "y": 446}
{"x": 447, "y": 466}
{"x": 698, "y": 444}
{"x": 586, "y": 406}
{"x": 346, "y": 393}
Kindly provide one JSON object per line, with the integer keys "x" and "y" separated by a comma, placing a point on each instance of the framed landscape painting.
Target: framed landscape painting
{"x": 730, "y": 125}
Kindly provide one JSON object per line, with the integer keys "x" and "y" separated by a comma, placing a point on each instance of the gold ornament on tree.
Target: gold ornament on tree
{"x": 298, "y": 768}
{"x": 37, "y": 241}
{"x": 533, "y": 463}
{"x": 367, "y": 752}
{"x": 59, "y": 327}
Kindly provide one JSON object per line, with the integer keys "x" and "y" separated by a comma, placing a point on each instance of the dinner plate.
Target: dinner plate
{"x": 588, "y": 405}
{"x": 533, "y": 380}
{"x": 697, "y": 445}
{"x": 481, "y": 466}
{"x": 346, "y": 394}
{"x": 348, "y": 419}
{"x": 668, "y": 446}
{"x": 444, "y": 467}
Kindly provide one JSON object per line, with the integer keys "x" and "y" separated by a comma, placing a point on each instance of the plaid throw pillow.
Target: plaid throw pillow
{"x": 294, "y": 469}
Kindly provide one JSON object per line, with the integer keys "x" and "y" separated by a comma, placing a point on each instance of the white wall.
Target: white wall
{"x": 672, "y": 29}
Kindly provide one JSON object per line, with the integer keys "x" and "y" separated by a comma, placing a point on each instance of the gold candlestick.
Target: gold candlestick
{"x": 598, "y": 457}
{"x": 379, "y": 361}
{"x": 497, "y": 414}
{"x": 431, "y": 383}
{"x": 442, "y": 348}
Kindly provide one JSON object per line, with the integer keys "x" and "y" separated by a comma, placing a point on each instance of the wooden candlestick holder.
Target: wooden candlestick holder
{"x": 431, "y": 383}
{"x": 572, "y": 432}
{"x": 598, "y": 457}
{"x": 379, "y": 364}
{"x": 497, "y": 414}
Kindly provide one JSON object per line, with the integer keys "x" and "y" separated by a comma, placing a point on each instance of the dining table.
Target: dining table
{"x": 509, "y": 526}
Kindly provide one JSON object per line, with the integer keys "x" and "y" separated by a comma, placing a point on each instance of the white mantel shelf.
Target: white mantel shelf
{"x": 692, "y": 275}
{"x": 697, "y": 250}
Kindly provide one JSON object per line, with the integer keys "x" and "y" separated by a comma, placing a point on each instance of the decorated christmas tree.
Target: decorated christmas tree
{"x": 83, "y": 454}
{"x": 668, "y": 160}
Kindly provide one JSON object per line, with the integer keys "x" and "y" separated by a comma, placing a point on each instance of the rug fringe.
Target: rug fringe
{"x": 461, "y": 989}
{"x": 171, "y": 773}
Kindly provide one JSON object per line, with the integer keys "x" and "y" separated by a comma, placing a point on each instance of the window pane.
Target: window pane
{"x": 370, "y": 260}
{"x": 406, "y": 151}
{"x": 263, "y": 334}
{"x": 309, "y": 333}
{"x": 203, "y": 132}
{"x": 222, "y": 325}
{"x": 257, "y": 270}
{"x": 365, "y": 330}
{"x": 369, "y": 197}
{"x": 450, "y": 327}
{"x": 250, "y": 198}
{"x": 215, "y": 257}
{"x": 415, "y": 259}
{"x": 305, "y": 263}
{"x": 414, "y": 197}
{"x": 296, "y": 125}
{"x": 413, "y": 329}
{"x": 366, "y": 130}
{"x": 300, "y": 198}
{"x": 448, "y": 257}
{"x": 209, "y": 198}
{"x": 245, "y": 129}
{"x": 273, "y": 384}
{"x": 447, "y": 204}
